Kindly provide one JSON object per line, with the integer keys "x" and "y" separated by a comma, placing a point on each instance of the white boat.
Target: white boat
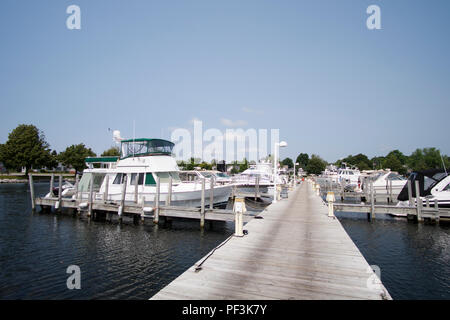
{"x": 434, "y": 186}
{"x": 382, "y": 182}
{"x": 261, "y": 173}
{"x": 195, "y": 175}
{"x": 348, "y": 176}
{"x": 143, "y": 161}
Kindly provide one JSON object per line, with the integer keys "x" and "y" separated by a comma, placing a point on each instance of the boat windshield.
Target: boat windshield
{"x": 206, "y": 174}
{"x": 222, "y": 175}
{"x": 143, "y": 147}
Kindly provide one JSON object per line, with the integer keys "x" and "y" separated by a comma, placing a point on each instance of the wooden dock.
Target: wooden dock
{"x": 91, "y": 207}
{"x": 294, "y": 252}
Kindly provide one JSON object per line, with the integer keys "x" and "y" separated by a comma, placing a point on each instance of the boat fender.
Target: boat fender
{"x": 148, "y": 209}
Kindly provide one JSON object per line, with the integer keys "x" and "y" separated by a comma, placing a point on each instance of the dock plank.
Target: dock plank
{"x": 295, "y": 252}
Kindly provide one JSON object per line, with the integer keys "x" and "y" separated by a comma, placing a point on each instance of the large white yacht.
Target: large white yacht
{"x": 142, "y": 161}
{"x": 262, "y": 173}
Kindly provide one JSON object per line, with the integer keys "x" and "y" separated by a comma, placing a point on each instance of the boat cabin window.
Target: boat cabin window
{"x": 142, "y": 147}
{"x": 188, "y": 176}
{"x": 206, "y": 174}
{"x": 85, "y": 181}
{"x": 394, "y": 176}
{"x": 149, "y": 179}
{"x": 447, "y": 188}
{"x": 140, "y": 179}
{"x": 119, "y": 178}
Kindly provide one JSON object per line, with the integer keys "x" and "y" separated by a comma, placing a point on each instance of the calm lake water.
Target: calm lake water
{"x": 135, "y": 262}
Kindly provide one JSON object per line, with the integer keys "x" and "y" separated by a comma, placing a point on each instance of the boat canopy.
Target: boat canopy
{"x": 145, "y": 147}
{"x": 427, "y": 180}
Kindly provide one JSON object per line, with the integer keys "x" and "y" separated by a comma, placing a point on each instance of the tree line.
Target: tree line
{"x": 418, "y": 160}
{"x": 27, "y": 148}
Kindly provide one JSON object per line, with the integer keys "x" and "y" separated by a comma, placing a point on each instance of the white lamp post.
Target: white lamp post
{"x": 295, "y": 176}
{"x": 278, "y": 145}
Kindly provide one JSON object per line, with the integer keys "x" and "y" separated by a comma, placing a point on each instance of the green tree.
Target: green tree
{"x": 377, "y": 162}
{"x": 75, "y": 156}
{"x": 111, "y": 152}
{"x": 426, "y": 158}
{"x": 205, "y": 165}
{"x": 302, "y": 160}
{"x": 190, "y": 165}
{"x": 288, "y": 162}
{"x": 26, "y": 147}
{"x": 243, "y": 165}
{"x": 360, "y": 160}
{"x": 235, "y": 168}
{"x": 315, "y": 165}
{"x": 393, "y": 163}
{"x": 363, "y": 165}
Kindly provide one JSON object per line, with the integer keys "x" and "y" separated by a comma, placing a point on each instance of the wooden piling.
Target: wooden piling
{"x": 123, "y": 195}
{"x": 418, "y": 202}
{"x": 52, "y": 182}
{"x": 169, "y": 192}
{"x": 390, "y": 191}
{"x": 211, "y": 193}
{"x": 30, "y": 180}
{"x": 59, "y": 191}
{"x": 77, "y": 182}
{"x": 143, "y": 212}
{"x": 91, "y": 190}
{"x": 158, "y": 190}
{"x": 136, "y": 188}
{"x": 202, "y": 208}
{"x": 372, "y": 201}
{"x": 105, "y": 193}
{"x": 410, "y": 197}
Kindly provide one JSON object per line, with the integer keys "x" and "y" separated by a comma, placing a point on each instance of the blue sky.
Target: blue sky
{"x": 309, "y": 68}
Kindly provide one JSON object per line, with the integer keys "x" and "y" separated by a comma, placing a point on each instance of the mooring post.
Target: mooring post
{"x": 257, "y": 188}
{"x": 436, "y": 207}
{"x": 77, "y": 182}
{"x": 59, "y": 191}
{"x": 169, "y": 192}
{"x": 105, "y": 194}
{"x": 122, "y": 200}
{"x": 211, "y": 193}
{"x": 410, "y": 197}
{"x": 418, "y": 201}
{"x": 342, "y": 190}
{"x": 136, "y": 188}
{"x": 158, "y": 190}
{"x": 52, "y": 182}
{"x": 143, "y": 209}
{"x": 390, "y": 191}
{"x": 90, "y": 199}
{"x": 372, "y": 201}
{"x": 202, "y": 207}
{"x": 387, "y": 191}
{"x": 30, "y": 180}
{"x": 330, "y": 200}
{"x": 239, "y": 209}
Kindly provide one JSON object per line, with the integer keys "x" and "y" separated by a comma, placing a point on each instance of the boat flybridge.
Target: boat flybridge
{"x": 144, "y": 161}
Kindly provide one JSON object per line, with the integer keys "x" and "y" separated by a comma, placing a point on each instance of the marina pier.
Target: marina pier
{"x": 294, "y": 251}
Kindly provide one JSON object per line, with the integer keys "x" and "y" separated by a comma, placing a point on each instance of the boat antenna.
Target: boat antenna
{"x": 443, "y": 164}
